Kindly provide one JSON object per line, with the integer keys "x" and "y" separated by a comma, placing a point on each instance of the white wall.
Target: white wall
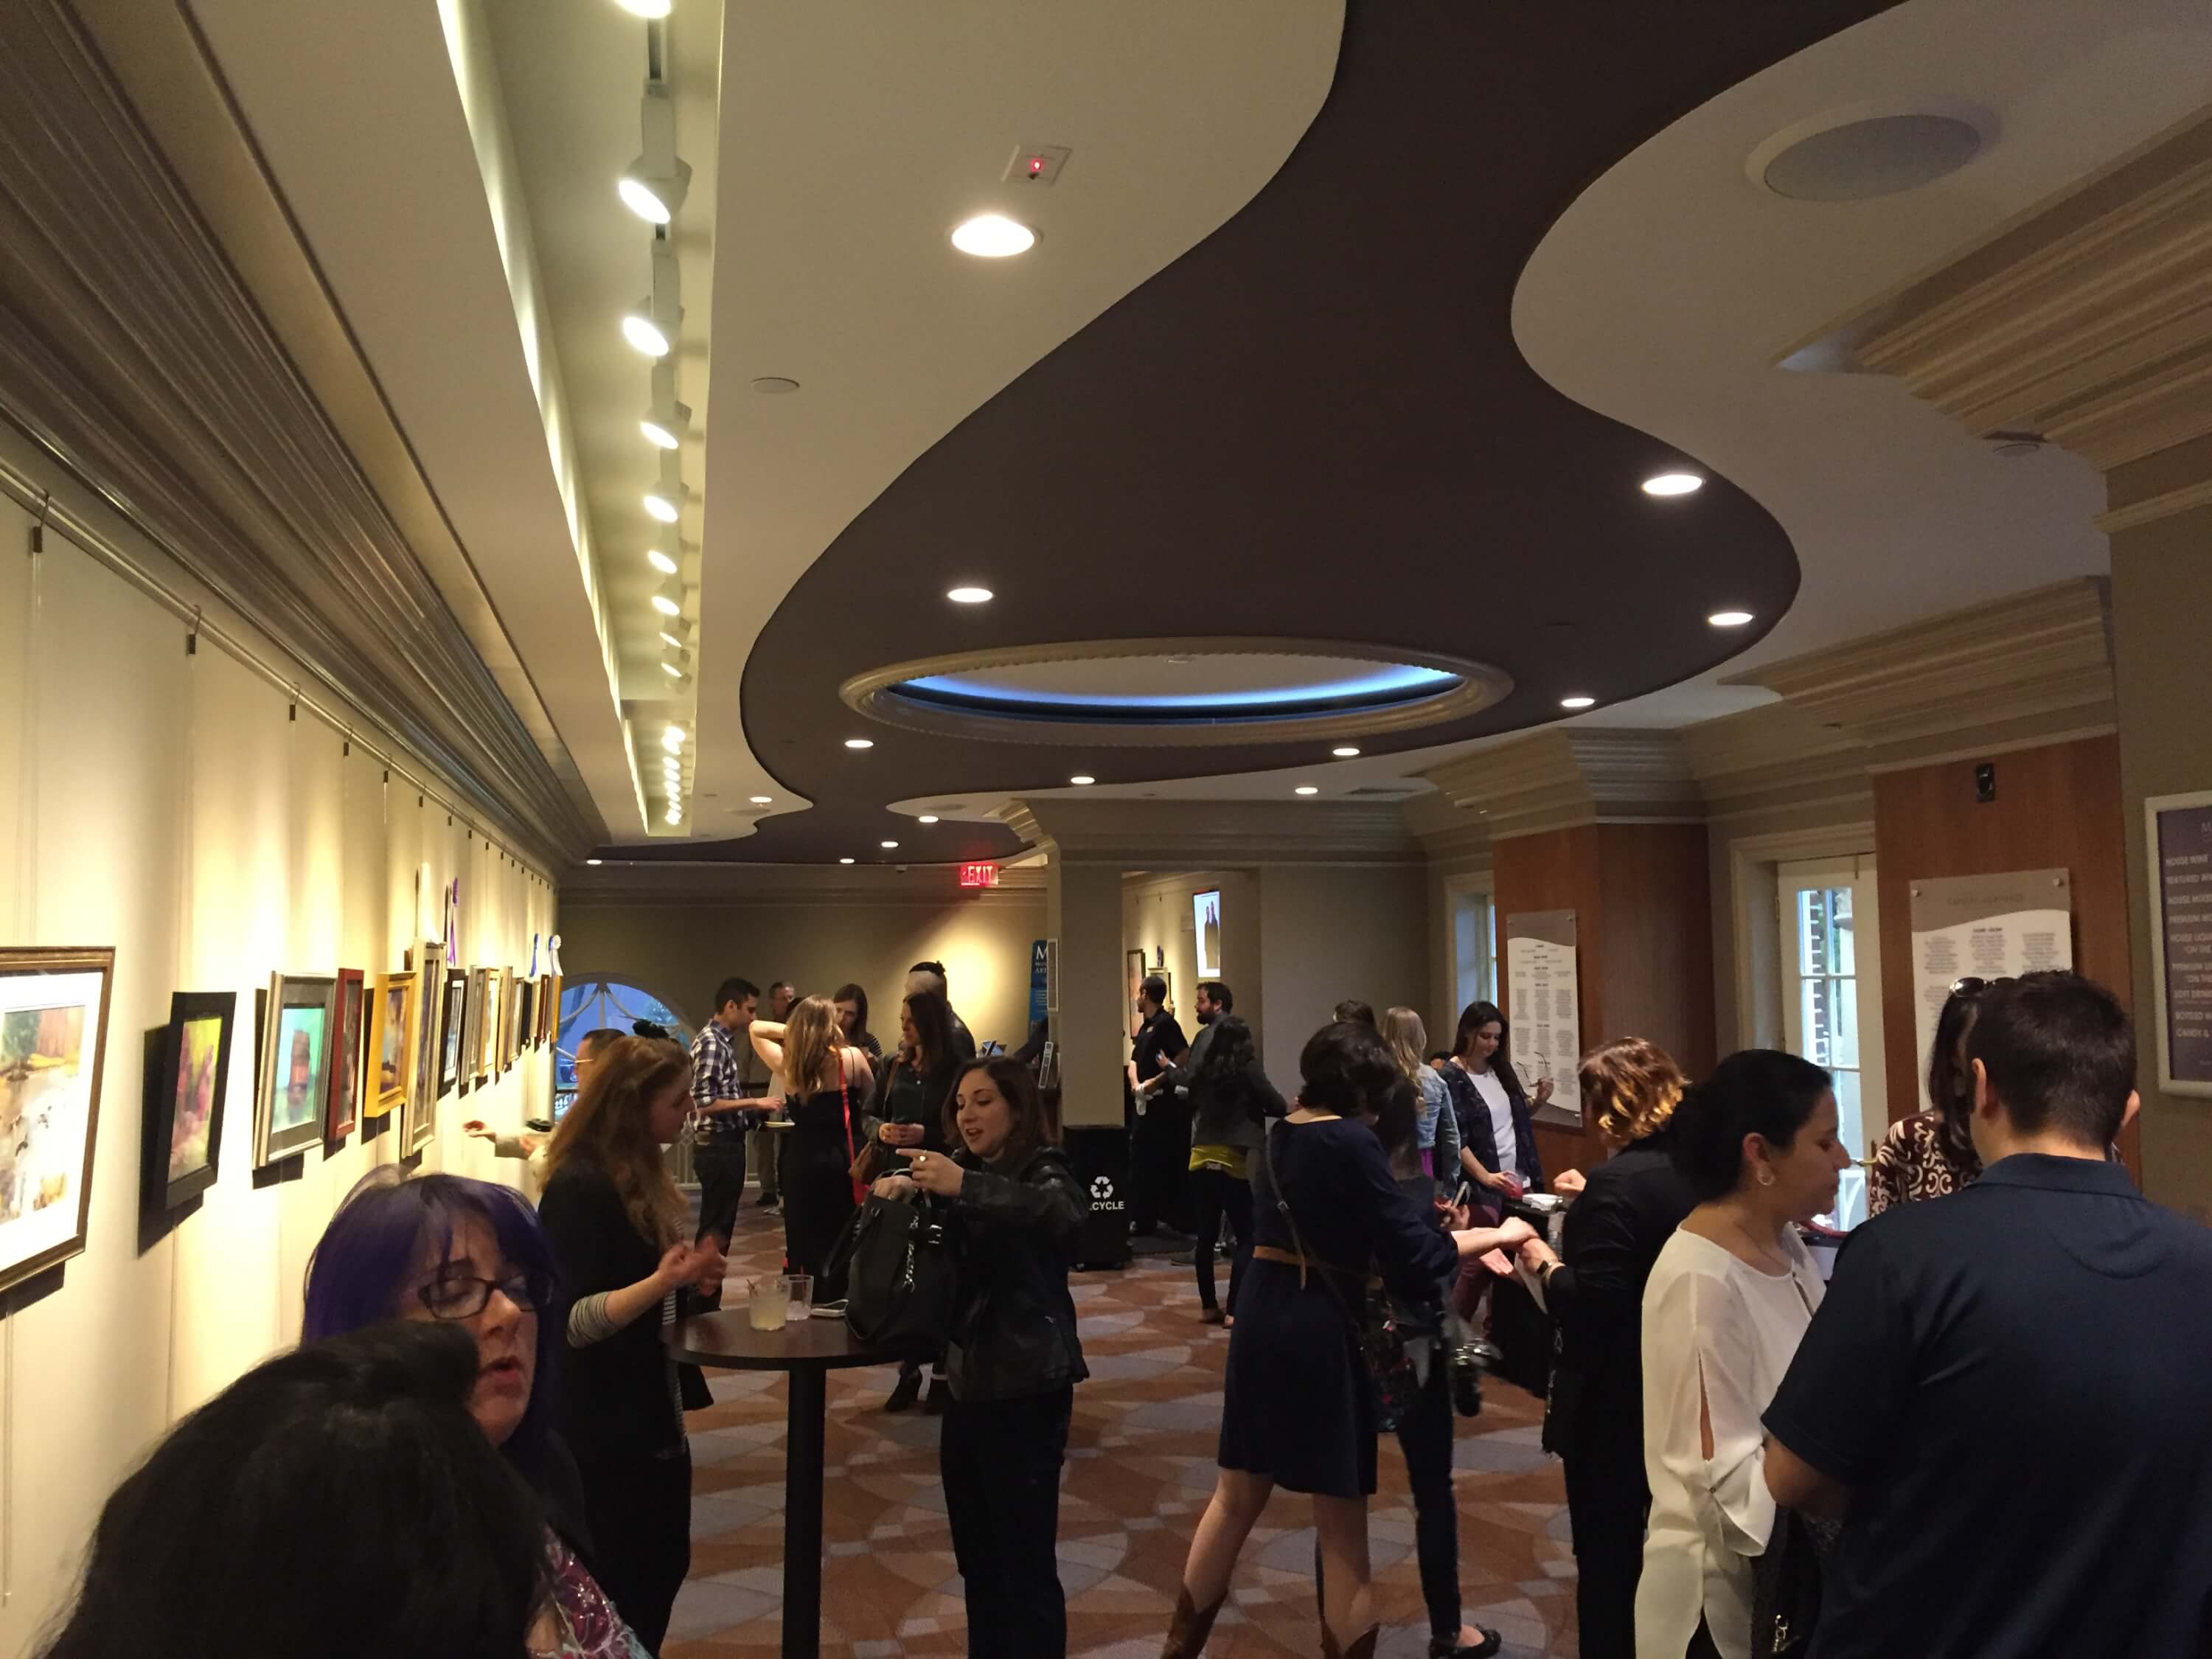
{"x": 166, "y": 806}
{"x": 1333, "y": 932}
{"x": 1157, "y": 918}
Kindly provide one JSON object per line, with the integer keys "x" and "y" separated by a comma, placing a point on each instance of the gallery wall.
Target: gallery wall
{"x": 171, "y": 806}
{"x": 1157, "y": 919}
{"x": 681, "y": 949}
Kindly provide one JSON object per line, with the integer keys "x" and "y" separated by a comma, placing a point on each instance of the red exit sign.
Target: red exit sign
{"x": 979, "y": 875}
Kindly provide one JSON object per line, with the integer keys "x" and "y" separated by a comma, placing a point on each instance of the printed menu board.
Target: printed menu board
{"x": 1992, "y": 927}
{"x": 1544, "y": 1002}
{"x": 2181, "y": 939}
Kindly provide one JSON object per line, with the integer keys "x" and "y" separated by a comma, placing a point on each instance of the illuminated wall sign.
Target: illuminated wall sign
{"x": 979, "y": 875}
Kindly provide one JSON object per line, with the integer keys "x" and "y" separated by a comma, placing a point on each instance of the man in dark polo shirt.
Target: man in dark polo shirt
{"x": 1159, "y": 1122}
{"x": 2007, "y": 1394}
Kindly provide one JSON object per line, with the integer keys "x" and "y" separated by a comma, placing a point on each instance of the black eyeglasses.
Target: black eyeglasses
{"x": 464, "y": 1298}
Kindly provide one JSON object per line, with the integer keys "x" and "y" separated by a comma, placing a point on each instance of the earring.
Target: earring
{"x": 1766, "y": 1177}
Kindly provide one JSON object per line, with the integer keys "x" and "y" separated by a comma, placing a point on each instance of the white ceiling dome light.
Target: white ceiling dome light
{"x": 992, "y": 236}
{"x": 1866, "y": 151}
{"x": 969, "y": 594}
{"x": 654, "y": 186}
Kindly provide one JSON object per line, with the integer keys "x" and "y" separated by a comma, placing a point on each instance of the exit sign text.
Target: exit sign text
{"x": 979, "y": 875}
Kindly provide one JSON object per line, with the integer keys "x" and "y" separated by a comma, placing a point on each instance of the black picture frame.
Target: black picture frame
{"x": 450, "y": 1031}
{"x": 159, "y": 1190}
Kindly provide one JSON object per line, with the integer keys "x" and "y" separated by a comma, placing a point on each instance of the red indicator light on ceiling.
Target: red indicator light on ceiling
{"x": 979, "y": 875}
{"x": 1036, "y": 164}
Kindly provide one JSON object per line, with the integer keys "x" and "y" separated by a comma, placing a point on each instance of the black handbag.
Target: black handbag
{"x": 1785, "y": 1585}
{"x": 1382, "y": 1340}
{"x": 900, "y": 1283}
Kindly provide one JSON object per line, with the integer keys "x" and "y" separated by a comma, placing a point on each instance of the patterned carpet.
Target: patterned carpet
{"x": 1140, "y": 1466}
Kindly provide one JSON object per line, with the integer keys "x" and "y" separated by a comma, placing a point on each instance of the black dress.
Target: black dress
{"x": 818, "y": 1181}
{"x": 1297, "y": 1406}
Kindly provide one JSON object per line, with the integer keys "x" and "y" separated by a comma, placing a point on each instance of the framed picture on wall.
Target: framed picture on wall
{"x": 488, "y": 1026}
{"x": 391, "y": 1042}
{"x": 348, "y": 1007}
{"x": 53, "y": 1035}
{"x": 449, "y": 1031}
{"x": 473, "y": 1029}
{"x": 553, "y": 1011}
{"x": 184, "y": 1103}
{"x": 526, "y": 1014}
{"x": 1136, "y": 987}
{"x": 293, "y": 1090}
{"x": 422, "y": 1092}
{"x": 510, "y": 994}
{"x": 1205, "y": 924}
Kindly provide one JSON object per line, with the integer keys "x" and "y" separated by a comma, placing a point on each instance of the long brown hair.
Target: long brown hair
{"x": 610, "y": 1126}
{"x": 1405, "y": 1037}
{"x": 812, "y": 1037}
{"x": 1033, "y": 1127}
{"x": 1630, "y": 1087}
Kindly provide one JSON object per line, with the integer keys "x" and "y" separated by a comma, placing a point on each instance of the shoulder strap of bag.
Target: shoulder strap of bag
{"x": 852, "y": 1155}
{"x": 1297, "y": 1240}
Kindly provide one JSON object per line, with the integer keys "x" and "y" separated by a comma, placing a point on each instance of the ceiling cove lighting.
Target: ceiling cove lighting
{"x": 654, "y": 186}
{"x": 651, "y": 325}
{"x": 992, "y": 236}
{"x": 660, "y": 561}
{"x": 968, "y": 595}
{"x": 1306, "y": 789}
{"x": 1674, "y": 483}
{"x": 1577, "y": 703}
{"x": 926, "y": 817}
{"x": 666, "y": 421}
{"x": 859, "y": 743}
{"x": 1082, "y": 779}
{"x": 1344, "y": 751}
{"x": 1728, "y": 618}
{"x": 668, "y": 599}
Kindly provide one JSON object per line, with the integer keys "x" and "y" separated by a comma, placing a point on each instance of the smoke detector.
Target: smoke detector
{"x": 2013, "y": 444}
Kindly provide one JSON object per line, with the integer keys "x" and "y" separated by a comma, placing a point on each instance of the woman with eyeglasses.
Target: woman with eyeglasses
{"x": 621, "y": 1233}
{"x": 1931, "y": 1154}
{"x": 469, "y": 1255}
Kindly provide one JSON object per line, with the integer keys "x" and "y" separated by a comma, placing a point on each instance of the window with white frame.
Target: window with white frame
{"x": 1831, "y": 1000}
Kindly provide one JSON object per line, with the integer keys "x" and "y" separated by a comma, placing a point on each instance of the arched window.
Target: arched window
{"x": 600, "y": 1003}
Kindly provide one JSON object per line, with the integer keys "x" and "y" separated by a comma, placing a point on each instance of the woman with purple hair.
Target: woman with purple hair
{"x": 470, "y": 1253}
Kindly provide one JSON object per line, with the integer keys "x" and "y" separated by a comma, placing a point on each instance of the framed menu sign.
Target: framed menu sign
{"x": 1545, "y": 1000}
{"x": 2180, "y": 828}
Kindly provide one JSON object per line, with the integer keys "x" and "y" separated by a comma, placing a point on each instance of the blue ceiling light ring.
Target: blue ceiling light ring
{"x": 1190, "y": 691}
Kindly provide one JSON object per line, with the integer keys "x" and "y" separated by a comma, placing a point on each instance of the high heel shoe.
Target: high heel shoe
{"x": 1188, "y": 1629}
{"x": 1363, "y": 1647}
{"x": 909, "y": 1389}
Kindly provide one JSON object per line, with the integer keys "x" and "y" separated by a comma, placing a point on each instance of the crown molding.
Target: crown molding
{"x": 2166, "y": 504}
{"x": 173, "y": 401}
{"x": 2044, "y": 655}
{"x": 2087, "y": 321}
{"x": 1567, "y": 776}
{"x": 1148, "y": 834}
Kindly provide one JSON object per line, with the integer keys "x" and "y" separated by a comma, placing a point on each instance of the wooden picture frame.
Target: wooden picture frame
{"x": 526, "y": 1015}
{"x": 451, "y": 1022}
{"x": 349, "y": 1014}
{"x": 53, "y": 1040}
{"x": 186, "y": 1090}
{"x": 483, "y": 992}
{"x": 423, "y": 1090}
{"x": 391, "y": 1050}
{"x": 292, "y": 1084}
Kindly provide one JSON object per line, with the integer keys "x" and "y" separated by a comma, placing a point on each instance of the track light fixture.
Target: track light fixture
{"x": 675, "y": 631}
{"x": 667, "y": 422}
{"x": 664, "y": 500}
{"x": 653, "y": 323}
{"x": 668, "y": 597}
{"x": 654, "y": 186}
{"x": 677, "y": 665}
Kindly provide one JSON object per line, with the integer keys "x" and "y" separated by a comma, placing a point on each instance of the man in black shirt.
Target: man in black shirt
{"x": 2007, "y": 1394}
{"x": 930, "y": 976}
{"x": 1159, "y": 1122}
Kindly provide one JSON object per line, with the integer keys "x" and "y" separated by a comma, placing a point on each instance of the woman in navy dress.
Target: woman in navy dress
{"x": 1298, "y": 1411}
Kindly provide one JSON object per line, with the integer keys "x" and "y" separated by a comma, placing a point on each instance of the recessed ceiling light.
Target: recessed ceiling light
{"x": 1344, "y": 751}
{"x": 926, "y": 817}
{"x": 646, "y": 8}
{"x": 1728, "y": 618}
{"x": 844, "y": 860}
{"x": 762, "y": 800}
{"x": 1577, "y": 703}
{"x": 644, "y": 335}
{"x": 1081, "y": 779}
{"x": 1306, "y": 789}
{"x": 1674, "y": 483}
{"x": 660, "y": 561}
{"x": 775, "y": 386}
{"x": 890, "y": 846}
{"x": 661, "y": 508}
{"x": 968, "y": 595}
{"x": 992, "y": 236}
{"x": 859, "y": 743}
{"x": 665, "y": 605}
{"x": 595, "y": 863}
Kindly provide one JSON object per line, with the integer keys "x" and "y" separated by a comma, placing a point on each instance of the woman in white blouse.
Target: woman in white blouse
{"x": 1726, "y": 1302}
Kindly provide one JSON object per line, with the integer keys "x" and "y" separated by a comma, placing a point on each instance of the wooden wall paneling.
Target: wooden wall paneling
{"x": 2058, "y": 806}
{"x": 1558, "y": 869}
{"x": 1658, "y": 951}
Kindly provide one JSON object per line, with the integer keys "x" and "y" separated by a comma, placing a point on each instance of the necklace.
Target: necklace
{"x": 1766, "y": 1252}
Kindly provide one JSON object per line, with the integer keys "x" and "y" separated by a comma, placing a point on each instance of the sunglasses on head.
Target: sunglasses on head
{"x": 1971, "y": 987}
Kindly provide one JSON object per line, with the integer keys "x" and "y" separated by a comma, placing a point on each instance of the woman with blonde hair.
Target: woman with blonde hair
{"x": 1626, "y": 1210}
{"x": 1435, "y": 1148}
{"x": 827, "y": 1087}
{"x": 617, "y": 1227}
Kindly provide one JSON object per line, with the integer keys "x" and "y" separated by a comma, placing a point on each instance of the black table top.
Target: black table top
{"x": 728, "y": 1339}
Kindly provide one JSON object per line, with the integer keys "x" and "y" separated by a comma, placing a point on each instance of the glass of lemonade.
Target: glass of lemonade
{"x": 767, "y": 1301}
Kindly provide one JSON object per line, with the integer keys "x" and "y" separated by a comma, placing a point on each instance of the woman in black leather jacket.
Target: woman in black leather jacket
{"x": 1013, "y": 1360}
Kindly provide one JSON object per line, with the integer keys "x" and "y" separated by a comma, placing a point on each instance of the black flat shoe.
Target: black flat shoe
{"x": 908, "y": 1391}
{"x": 1491, "y": 1641}
{"x": 933, "y": 1403}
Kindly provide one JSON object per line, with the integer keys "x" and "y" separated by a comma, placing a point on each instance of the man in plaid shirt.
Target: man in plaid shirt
{"x": 718, "y": 1098}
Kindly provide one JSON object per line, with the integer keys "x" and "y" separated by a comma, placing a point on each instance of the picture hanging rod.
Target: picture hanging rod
{"x": 55, "y": 516}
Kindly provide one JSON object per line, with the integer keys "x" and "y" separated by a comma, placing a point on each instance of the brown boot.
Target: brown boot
{"x": 1187, "y": 1631}
{"x": 1364, "y": 1648}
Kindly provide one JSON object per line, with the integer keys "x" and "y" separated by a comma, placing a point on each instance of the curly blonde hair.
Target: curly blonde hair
{"x": 611, "y": 1125}
{"x": 1630, "y": 1087}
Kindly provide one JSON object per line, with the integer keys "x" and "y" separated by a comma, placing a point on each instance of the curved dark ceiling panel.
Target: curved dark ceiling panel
{"x": 1313, "y": 424}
